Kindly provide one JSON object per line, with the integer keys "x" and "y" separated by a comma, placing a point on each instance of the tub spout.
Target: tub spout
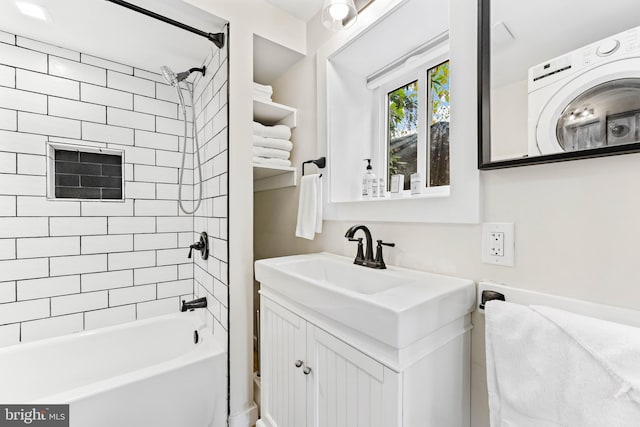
{"x": 196, "y": 303}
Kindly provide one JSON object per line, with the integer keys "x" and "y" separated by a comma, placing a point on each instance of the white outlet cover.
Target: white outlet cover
{"x": 507, "y": 231}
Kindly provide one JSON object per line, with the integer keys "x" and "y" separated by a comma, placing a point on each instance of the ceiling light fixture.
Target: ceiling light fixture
{"x": 339, "y": 14}
{"x": 33, "y": 10}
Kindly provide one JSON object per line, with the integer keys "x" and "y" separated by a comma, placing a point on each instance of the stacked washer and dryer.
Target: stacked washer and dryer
{"x": 588, "y": 98}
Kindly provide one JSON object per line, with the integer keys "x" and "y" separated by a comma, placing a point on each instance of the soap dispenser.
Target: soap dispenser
{"x": 368, "y": 182}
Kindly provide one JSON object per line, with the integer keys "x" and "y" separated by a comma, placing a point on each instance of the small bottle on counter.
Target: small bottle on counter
{"x": 382, "y": 189}
{"x": 416, "y": 183}
{"x": 368, "y": 181}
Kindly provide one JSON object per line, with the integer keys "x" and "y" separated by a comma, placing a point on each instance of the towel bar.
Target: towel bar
{"x": 490, "y": 296}
{"x": 320, "y": 163}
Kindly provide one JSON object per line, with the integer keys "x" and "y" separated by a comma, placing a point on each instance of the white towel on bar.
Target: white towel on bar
{"x": 279, "y": 144}
{"x": 270, "y": 162}
{"x": 310, "y": 207}
{"x": 271, "y": 153}
{"x": 551, "y": 368}
{"x": 277, "y": 131}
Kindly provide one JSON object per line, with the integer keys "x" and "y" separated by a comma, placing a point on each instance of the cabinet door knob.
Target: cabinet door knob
{"x": 299, "y": 363}
{"x": 306, "y": 370}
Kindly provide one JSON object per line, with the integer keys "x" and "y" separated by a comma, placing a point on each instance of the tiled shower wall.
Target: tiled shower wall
{"x": 211, "y": 276}
{"x": 66, "y": 266}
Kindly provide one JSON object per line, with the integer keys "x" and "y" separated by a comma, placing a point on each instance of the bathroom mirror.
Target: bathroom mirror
{"x": 559, "y": 80}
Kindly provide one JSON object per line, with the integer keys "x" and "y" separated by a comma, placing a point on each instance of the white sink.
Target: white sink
{"x": 396, "y": 306}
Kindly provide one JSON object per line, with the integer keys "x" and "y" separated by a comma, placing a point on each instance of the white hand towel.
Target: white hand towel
{"x": 277, "y": 131}
{"x": 548, "y": 368}
{"x": 271, "y": 162}
{"x": 615, "y": 346}
{"x": 310, "y": 207}
{"x": 279, "y": 144}
{"x": 271, "y": 153}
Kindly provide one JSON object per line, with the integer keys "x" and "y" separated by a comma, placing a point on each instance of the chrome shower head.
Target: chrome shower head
{"x": 169, "y": 76}
{"x": 173, "y": 79}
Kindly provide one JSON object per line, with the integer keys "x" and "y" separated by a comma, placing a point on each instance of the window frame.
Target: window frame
{"x": 396, "y": 79}
{"x": 346, "y": 130}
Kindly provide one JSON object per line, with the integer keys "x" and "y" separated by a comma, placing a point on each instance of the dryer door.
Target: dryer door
{"x": 597, "y": 108}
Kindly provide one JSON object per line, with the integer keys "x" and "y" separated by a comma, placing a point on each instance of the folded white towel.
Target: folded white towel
{"x": 277, "y": 131}
{"x": 549, "y": 368}
{"x": 271, "y": 153}
{"x": 310, "y": 207}
{"x": 261, "y": 95}
{"x": 257, "y": 87}
{"x": 280, "y": 144}
{"x": 271, "y": 162}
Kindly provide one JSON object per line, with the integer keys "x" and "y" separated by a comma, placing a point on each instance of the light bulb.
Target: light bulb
{"x": 339, "y": 14}
{"x": 339, "y": 11}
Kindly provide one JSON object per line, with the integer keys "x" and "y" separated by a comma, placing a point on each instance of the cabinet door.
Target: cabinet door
{"x": 283, "y": 393}
{"x": 347, "y": 387}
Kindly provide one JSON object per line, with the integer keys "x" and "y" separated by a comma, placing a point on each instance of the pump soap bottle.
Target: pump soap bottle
{"x": 368, "y": 181}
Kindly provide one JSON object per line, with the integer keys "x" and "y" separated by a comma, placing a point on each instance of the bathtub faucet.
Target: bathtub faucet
{"x": 196, "y": 303}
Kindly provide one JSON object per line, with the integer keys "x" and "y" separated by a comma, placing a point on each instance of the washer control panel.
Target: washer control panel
{"x": 625, "y": 43}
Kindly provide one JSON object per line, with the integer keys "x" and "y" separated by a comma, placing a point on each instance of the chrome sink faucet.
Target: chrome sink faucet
{"x": 367, "y": 259}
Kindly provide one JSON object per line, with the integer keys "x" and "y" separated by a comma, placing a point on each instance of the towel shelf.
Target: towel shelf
{"x": 272, "y": 177}
{"x": 272, "y": 113}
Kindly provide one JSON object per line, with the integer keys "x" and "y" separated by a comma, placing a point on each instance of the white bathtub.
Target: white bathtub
{"x": 143, "y": 373}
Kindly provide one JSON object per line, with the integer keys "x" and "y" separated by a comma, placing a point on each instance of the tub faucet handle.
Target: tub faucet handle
{"x": 202, "y": 245}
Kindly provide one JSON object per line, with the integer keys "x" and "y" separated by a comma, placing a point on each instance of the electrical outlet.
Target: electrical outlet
{"x": 498, "y": 244}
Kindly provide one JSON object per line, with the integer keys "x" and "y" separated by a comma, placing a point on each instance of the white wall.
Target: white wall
{"x": 69, "y": 265}
{"x": 246, "y": 18}
{"x": 576, "y": 224}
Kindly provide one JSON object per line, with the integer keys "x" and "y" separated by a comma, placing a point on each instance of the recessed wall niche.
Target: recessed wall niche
{"x": 84, "y": 173}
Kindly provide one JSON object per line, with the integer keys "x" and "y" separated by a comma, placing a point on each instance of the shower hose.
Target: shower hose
{"x": 184, "y": 150}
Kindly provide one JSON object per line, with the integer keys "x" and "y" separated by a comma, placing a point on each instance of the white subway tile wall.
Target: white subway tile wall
{"x": 210, "y": 108}
{"x": 68, "y": 266}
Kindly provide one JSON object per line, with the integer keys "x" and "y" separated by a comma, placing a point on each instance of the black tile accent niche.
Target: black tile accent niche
{"x": 80, "y": 175}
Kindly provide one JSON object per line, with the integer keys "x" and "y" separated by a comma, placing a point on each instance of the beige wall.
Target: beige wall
{"x": 577, "y": 228}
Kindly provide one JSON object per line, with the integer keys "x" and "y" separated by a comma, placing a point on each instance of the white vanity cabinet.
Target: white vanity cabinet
{"x": 311, "y": 378}
{"x": 347, "y": 346}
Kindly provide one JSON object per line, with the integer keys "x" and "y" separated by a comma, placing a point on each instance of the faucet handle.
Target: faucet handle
{"x": 380, "y": 242}
{"x": 379, "y": 261}
{"x": 360, "y": 254}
